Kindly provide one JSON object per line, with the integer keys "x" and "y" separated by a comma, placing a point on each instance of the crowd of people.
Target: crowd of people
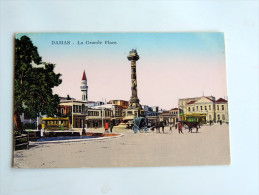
{"x": 159, "y": 127}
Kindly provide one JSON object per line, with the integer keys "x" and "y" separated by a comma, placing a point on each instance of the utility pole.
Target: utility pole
{"x": 102, "y": 115}
{"x": 72, "y": 124}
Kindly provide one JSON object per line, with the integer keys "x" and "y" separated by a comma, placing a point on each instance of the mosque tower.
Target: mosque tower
{"x": 84, "y": 88}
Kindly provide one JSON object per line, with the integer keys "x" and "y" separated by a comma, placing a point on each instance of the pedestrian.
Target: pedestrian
{"x": 42, "y": 131}
{"x": 180, "y": 128}
{"x": 170, "y": 128}
{"x": 157, "y": 128}
{"x": 163, "y": 127}
{"x": 83, "y": 131}
{"x": 175, "y": 126}
{"x": 106, "y": 127}
{"x": 111, "y": 126}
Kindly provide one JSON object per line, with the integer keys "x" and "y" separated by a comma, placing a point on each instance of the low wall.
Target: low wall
{"x": 101, "y": 134}
{"x": 35, "y": 134}
{"x": 60, "y": 133}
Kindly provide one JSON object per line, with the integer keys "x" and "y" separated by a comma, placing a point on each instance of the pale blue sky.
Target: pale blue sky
{"x": 171, "y": 65}
{"x": 156, "y": 43}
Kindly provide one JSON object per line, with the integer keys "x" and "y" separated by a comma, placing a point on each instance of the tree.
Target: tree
{"x": 33, "y": 85}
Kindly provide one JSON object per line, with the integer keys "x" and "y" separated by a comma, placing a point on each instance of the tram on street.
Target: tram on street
{"x": 200, "y": 118}
{"x": 53, "y": 123}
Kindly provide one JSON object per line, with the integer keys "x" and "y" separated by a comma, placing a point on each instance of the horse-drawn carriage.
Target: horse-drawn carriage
{"x": 139, "y": 124}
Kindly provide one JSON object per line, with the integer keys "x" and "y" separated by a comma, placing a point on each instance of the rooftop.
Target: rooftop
{"x": 221, "y": 100}
{"x": 84, "y": 77}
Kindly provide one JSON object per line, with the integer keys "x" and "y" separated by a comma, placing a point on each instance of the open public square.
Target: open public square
{"x": 210, "y": 146}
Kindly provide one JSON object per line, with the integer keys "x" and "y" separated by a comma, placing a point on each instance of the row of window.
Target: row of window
{"x": 174, "y": 112}
{"x": 93, "y": 113}
{"x": 222, "y": 107}
{"x": 56, "y": 122}
{"x": 204, "y": 107}
{"x": 218, "y": 117}
{"x": 78, "y": 109}
{"x": 97, "y": 113}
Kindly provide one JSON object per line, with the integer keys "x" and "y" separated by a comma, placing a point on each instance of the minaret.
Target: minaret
{"x": 84, "y": 88}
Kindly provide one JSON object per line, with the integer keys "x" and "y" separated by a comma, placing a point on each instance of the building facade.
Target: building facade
{"x": 76, "y": 110}
{"x": 83, "y": 116}
{"x": 221, "y": 107}
{"x": 119, "y": 107}
{"x": 215, "y": 111}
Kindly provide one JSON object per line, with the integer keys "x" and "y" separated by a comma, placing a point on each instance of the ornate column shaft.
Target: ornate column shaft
{"x": 134, "y": 101}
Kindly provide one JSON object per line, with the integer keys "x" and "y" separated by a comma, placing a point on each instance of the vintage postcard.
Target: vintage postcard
{"x": 120, "y": 100}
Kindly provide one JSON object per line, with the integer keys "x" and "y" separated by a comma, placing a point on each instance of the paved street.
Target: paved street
{"x": 209, "y": 146}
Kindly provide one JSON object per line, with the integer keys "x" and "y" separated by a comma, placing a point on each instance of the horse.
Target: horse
{"x": 192, "y": 125}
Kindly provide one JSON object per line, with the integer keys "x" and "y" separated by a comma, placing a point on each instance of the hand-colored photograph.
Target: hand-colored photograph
{"x": 120, "y": 100}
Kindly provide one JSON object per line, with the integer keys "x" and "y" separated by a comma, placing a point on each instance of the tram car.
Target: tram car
{"x": 53, "y": 123}
{"x": 191, "y": 118}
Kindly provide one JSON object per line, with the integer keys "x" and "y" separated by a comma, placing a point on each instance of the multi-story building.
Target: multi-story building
{"x": 214, "y": 110}
{"x": 182, "y": 103}
{"x": 82, "y": 115}
{"x": 98, "y": 115}
{"x": 76, "y": 110}
{"x": 175, "y": 112}
{"x": 119, "y": 106}
{"x": 122, "y": 103}
{"x": 151, "y": 113}
{"x": 203, "y": 105}
{"x": 221, "y": 107}
{"x": 169, "y": 116}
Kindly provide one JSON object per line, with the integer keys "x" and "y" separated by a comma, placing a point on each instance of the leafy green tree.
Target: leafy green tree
{"x": 33, "y": 85}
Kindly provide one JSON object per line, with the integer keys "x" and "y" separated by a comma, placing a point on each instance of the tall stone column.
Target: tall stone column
{"x": 134, "y": 108}
{"x": 134, "y": 101}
